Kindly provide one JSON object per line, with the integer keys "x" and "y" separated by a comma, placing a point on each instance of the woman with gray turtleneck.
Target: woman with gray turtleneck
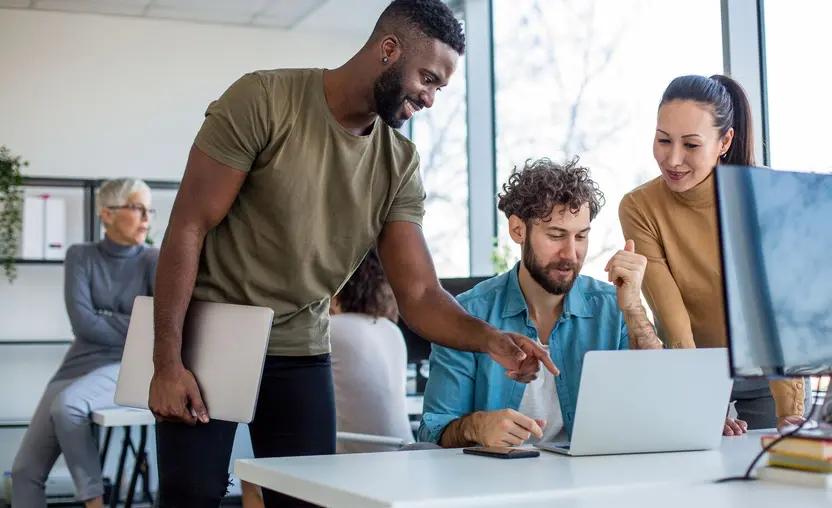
{"x": 101, "y": 280}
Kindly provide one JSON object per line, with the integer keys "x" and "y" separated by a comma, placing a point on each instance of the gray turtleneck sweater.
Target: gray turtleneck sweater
{"x": 101, "y": 280}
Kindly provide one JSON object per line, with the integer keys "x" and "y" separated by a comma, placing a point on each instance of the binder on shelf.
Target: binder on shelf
{"x": 43, "y": 234}
{"x": 55, "y": 229}
{"x": 32, "y": 233}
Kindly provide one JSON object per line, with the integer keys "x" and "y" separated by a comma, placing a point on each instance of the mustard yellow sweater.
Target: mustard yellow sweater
{"x": 677, "y": 232}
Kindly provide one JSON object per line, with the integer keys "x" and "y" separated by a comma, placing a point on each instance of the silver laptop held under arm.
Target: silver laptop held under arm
{"x": 223, "y": 345}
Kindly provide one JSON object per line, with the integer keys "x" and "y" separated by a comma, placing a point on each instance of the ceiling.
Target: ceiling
{"x": 297, "y": 15}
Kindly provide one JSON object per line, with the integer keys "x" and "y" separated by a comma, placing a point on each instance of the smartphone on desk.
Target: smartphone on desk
{"x": 501, "y": 452}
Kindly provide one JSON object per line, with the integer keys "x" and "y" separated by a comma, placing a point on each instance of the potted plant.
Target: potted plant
{"x": 11, "y": 204}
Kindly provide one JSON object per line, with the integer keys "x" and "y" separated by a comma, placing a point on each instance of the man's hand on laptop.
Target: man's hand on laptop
{"x": 734, "y": 427}
{"x": 519, "y": 355}
{"x": 175, "y": 397}
{"x": 506, "y": 427}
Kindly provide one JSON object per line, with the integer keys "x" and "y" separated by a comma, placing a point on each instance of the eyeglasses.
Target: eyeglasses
{"x": 145, "y": 212}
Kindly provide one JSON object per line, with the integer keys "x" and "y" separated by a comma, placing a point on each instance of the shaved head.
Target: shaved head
{"x": 418, "y": 22}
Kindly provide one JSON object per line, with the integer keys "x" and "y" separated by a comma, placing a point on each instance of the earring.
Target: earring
{"x": 723, "y": 155}
{"x": 384, "y": 60}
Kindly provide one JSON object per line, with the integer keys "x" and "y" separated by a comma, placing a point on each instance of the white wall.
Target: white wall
{"x": 98, "y": 96}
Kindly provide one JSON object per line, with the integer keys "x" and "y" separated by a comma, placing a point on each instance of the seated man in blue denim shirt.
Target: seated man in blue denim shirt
{"x": 469, "y": 400}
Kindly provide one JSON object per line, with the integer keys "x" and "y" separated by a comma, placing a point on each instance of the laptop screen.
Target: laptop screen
{"x": 776, "y": 242}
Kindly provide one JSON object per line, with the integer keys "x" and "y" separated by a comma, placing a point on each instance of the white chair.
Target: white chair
{"x": 127, "y": 418}
{"x": 353, "y": 437}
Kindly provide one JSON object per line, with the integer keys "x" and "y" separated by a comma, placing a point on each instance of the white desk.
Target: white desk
{"x": 728, "y": 495}
{"x": 450, "y": 478}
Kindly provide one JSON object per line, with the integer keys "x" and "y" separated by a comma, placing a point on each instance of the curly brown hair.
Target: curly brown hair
{"x": 368, "y": 291}
{"x": 533, "y": 191}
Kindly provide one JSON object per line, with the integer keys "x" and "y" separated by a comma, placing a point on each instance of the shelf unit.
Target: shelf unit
{"x": 92, "y": 224}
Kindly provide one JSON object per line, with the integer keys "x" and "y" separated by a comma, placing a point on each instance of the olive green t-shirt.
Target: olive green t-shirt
{"x": 313, "y": 203}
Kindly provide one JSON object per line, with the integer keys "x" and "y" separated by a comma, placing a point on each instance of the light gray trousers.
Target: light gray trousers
{"x": 61, "y": 424}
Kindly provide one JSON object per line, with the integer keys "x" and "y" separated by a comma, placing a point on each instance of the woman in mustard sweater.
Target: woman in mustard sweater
{"x": 702, "y": 122}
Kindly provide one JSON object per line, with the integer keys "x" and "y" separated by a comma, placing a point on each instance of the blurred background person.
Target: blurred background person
{"x": 101, "y": 280}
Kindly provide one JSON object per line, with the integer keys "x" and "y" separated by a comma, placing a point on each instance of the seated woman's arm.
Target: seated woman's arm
{"x": 99, "y": 326}
{"x": 659, "y": 286}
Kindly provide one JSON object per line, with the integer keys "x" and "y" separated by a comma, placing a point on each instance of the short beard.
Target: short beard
{"x": 540, "y": 274}
{"x": 389, "y": 95}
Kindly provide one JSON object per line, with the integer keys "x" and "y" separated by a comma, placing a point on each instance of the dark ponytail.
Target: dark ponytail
{"x": 729, "y": 105}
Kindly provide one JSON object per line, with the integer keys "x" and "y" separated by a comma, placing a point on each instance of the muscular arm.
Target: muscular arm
{"x": 207, "y": 191}
{"x": 426, "y": 307}
{"x": 640, "y": 330}
{"x": 659, "y": 286}
{"x": 435, "y": 315}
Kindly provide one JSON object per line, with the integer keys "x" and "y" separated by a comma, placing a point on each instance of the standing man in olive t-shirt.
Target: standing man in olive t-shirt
{"x": 294, "y": 175}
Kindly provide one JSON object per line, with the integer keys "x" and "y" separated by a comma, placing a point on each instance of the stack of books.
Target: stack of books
{"x": 804, "y": 459}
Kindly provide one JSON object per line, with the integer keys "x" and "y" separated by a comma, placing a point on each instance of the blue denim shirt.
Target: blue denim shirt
{"x": 462, "y": 382}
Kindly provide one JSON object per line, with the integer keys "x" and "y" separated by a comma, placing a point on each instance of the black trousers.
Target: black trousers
{"x": 295, "y": 416}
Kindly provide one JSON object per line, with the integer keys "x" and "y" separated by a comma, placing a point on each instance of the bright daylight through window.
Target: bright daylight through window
{"x": 440, "y": 134}
{"x": 797, "y": 89}
{"x": 798, "y": 84}
{"x": 584, "y": 77}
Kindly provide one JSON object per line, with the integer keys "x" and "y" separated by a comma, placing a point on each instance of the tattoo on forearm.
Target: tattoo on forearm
{"x": 641, "y": 332}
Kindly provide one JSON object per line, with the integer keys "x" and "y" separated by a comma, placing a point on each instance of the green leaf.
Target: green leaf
{"x": 11, "y": 209}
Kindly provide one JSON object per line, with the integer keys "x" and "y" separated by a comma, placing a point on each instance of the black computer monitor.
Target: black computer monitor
{"x": 418, "y": 348}
{"x": 775, "y": 230}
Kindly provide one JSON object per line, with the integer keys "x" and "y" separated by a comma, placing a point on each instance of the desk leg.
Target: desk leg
{"x": 106, "y": 446}
{"x": 125, "y": 445}
{"x": 139, "y": 467}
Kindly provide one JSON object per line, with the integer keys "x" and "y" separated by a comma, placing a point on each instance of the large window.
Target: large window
{"x": 584, "y": 78}
{"x": 440, "y": 134}
{"x": 797, "y": 39}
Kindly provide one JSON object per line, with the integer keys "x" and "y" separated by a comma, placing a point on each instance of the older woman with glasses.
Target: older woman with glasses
{"x": 101, "y": 280}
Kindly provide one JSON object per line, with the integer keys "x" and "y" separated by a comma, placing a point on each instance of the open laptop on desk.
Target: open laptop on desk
{"x": 649, "y": 401}
{"x": 223, "y": 345}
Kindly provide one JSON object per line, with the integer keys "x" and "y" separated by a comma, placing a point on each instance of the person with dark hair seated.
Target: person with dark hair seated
{"x": 369, "y": 359}
{"x": 369, "y": 364}
{"x": 468, "y": 398}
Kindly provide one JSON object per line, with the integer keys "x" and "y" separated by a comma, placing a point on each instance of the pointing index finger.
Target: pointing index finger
{"x": 541, "y": 355}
